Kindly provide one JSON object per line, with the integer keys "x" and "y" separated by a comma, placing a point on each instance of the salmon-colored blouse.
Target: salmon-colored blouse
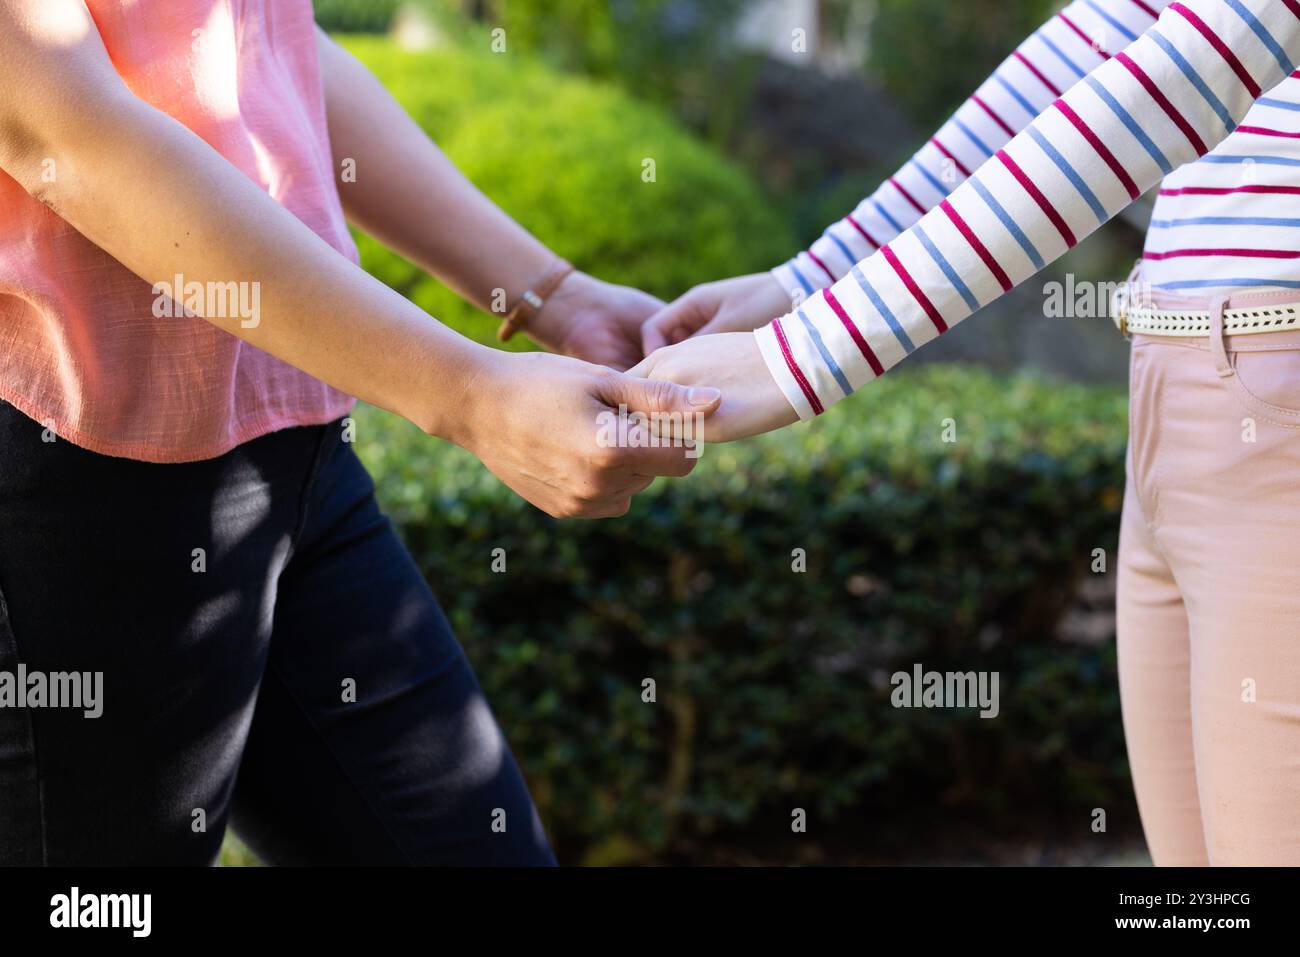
{"x": 81, "y": 349}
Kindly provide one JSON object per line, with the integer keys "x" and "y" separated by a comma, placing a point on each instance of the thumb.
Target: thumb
{"x": 657, "y": 395}
{"x": 654, "y": 332}
{"x": 677, "y": 321}
{"x": 718, "y": 324}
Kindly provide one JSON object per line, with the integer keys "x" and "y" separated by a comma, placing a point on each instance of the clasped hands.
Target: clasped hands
{"x": 695, "y": 358}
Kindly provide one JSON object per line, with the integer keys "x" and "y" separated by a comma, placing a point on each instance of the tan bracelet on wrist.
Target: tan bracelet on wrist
{"x": 533, "y": 298}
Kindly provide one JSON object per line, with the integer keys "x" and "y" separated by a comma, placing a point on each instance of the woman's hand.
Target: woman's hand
{"x": 752, "y": 402}
{"x": 594, "y": 321}
{"x": 544, "y": 425}
{"x": 415, "y": 201}
{"x": 741, "y": 304}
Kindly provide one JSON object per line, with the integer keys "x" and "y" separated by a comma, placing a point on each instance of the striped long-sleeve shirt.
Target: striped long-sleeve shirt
{"x": 1103, "y": 102}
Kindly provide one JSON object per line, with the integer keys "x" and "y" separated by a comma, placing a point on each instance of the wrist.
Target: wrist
{"x": 753, "y": 303}
{"x": 531, "y": 301}
{"x": 454, "y": 394}
{"x": 799, "y": 284}
{"x": 782, "y": 368}
{"x": 554, "y": 321}
{"x": 767, "y": 300}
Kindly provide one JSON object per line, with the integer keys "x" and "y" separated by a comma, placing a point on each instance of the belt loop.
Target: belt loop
{"x": 1124, "y": 298}
{"x": 1222, "y": 364}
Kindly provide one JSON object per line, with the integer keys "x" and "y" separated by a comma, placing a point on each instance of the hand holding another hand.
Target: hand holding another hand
{"x": 535, "y": 420}
{"x": 595, "y": 321}
{"x": 741, "y": 304}
{"x": 752, "y": 402}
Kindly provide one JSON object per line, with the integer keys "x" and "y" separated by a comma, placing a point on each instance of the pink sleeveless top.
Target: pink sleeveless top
{"x": 81, "y": 349}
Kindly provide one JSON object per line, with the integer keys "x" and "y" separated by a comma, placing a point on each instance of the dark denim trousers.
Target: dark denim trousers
{"x": 270, "y": 656}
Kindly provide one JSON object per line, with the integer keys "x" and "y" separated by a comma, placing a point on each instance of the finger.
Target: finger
{"x": 667, "y": 457}
{"x": 642, "y": 455}
{"x": 643, "y": 368}
{"x": 616, "y": 508}
{"x": 625, "y": 358}
{"x": 670, "y": 451}
{"x": 655, "y": 396}
{"x": 675, "y": 322}
{"x": 642, "y": 483}
{"x": 659, "y": 423}
{"x": 656, "y": 330}
{"x": 714, "y": 326}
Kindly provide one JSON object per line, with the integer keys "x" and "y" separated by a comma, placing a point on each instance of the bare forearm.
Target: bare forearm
{"x": 154, "y": 195}
{"x": 411, "y": 197}
{"x": 161, "y": 201}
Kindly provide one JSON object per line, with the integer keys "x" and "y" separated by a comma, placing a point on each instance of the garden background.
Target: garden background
{"x": 772, "y": 686}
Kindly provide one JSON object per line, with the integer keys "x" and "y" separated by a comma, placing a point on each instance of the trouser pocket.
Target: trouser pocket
{"x": 1262, "y": 371}
{"x": 1266, "y": 382}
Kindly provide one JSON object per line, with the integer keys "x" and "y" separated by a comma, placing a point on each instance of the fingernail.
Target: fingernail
{"x": 702, "y": 397}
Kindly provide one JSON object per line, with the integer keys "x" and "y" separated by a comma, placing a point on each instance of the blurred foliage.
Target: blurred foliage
{"x": 773, "y": 686}
{"x": 932, "y": 54}
{"x": 682, "y": 53}
{"x": 235, "y": 853}
{"x": 355, "y": 16}
{"x": 565, "y": 157}
{"x": 652, "y": 47}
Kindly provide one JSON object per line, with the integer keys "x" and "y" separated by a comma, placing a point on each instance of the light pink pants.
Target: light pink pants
{"x": 1209, "y": 593}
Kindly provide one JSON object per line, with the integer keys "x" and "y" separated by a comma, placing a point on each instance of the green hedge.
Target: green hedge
{"x": 355, "y": 16}
{"x": 773, "y": 685}
{"x": 564, "y": 156}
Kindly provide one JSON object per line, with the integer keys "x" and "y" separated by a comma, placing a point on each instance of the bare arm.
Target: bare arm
{"x": 127, "y": 175}
{"x": 410, "y": 197}
{"x": 407, "y": 194}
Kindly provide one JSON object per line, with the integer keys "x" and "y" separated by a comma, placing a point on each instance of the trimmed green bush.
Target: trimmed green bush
{"x": 355, "y": 16}
{"x": 654, "y": 48}
{"x": 566, "y": 158}
{"x": 773, "y": 687}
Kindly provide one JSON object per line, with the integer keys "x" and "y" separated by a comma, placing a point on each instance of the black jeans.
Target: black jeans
{"x": 270, "y": 655}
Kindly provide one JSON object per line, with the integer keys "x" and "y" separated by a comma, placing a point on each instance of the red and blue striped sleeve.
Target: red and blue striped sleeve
{"x": 1062, "y": 52}
{"x": 1051, "y": 147}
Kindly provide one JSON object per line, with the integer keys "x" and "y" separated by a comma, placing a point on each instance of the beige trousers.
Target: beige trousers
{"x": 1209, "y": 595}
